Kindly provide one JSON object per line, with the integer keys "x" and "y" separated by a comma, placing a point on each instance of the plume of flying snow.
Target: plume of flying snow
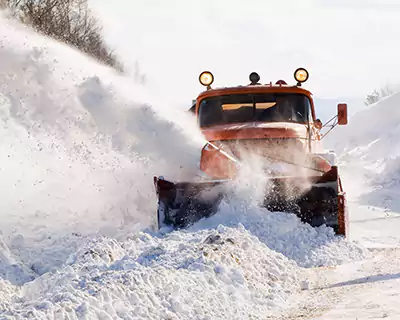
{"x": 80, "y": 143}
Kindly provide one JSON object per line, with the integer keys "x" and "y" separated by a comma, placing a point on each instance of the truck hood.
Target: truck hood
{"x": 255, "y": 130}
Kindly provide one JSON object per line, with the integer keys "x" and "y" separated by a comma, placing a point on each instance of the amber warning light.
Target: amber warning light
{"x": 301, "y": 75}
{"x": 206, "y": 78}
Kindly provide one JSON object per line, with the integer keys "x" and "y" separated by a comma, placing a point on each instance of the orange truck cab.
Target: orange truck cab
{"x": 276, "y": 123}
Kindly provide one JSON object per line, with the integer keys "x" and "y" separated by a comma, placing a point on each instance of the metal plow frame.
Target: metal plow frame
{"x": 324, "y": 202}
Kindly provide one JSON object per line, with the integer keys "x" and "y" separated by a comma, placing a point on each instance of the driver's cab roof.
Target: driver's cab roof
{"x": 248, "y": 90}
{"x": 206, "y": 78}
{"x": 266, "y": 88}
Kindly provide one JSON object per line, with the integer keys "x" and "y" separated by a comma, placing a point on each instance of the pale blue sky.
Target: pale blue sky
{"x": 350, "y": 47}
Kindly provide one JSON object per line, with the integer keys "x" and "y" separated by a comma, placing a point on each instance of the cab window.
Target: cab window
{"x": 270, "y": 107}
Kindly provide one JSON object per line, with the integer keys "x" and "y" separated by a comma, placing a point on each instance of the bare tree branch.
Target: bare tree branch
{"x": 69, "y": 21}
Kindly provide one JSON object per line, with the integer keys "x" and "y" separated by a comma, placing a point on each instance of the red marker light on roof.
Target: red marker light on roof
{"x": 281, "y": 82}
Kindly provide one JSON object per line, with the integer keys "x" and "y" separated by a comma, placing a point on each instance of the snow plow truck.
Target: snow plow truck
{"x": 276, "y": 122}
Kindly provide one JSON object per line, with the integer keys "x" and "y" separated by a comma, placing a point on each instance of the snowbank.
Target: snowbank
{"x": 374, "y": 129}
{"x": 224, "y": 274}
{"x": 369, "y": 149}
{"x": 246, "y": 267}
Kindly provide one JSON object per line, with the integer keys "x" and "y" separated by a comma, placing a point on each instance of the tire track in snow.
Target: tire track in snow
{"x": 358, "y": 290}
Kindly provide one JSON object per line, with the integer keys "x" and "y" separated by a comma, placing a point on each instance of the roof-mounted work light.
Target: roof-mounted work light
{"x": 301, "y": 75}
{"x": 206, "y": 78}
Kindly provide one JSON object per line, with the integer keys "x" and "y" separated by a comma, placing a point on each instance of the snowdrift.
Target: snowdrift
{"x": 374, "y": 130}
{"x": 182, "y": 276}
{"x": 370, "y": 149}
{"x": 211, "y": 271}
{"x": 80, "y": 145}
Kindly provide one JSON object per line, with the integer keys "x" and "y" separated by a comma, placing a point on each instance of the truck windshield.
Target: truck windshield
{"x": 268, "y": 107}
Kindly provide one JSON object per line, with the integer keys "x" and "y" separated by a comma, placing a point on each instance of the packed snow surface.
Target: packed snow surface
{"x": 80, "y": 146}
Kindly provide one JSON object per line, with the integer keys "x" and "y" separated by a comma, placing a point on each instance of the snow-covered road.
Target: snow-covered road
{"x": 362, "y": 290}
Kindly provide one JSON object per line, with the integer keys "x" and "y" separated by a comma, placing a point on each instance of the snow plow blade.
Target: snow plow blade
{"x": 316, "y": 200}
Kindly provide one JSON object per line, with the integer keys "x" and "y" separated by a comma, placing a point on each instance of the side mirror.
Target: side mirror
{"x": 318, "y": 124}
{"x": 342, "y": 113}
